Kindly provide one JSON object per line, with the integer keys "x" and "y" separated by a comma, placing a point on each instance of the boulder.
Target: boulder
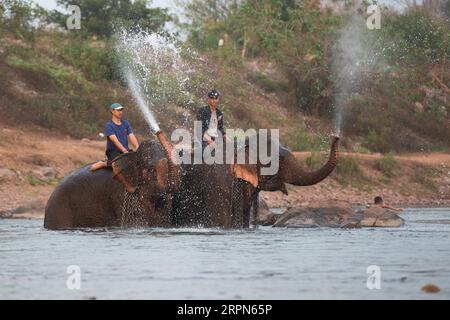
{"x": 45, "y": 173}
{"x": 7, "y": 175}
{"x": 430, "y": 288}
{"x": 33, "y": 208}
{"x": 5, "y": 214}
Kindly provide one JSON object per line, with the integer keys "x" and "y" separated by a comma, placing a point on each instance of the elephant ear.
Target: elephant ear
{"x": 247, "y": 172}
{"x": 126, "y": 165}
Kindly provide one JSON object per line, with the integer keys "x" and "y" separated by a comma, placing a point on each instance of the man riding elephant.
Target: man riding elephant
{"x": 119, "y": 134}
{"x": 212, "y": 120}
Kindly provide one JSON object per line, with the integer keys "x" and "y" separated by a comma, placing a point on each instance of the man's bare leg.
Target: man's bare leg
{"x": 123, "y": 180}
{"x": 98, "y": 165}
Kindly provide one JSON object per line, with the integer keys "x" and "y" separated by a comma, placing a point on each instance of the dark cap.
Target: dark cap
{"x": 214, "y": 94}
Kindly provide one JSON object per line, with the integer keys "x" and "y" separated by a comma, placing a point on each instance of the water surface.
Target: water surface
{"x": 268, "y": 263}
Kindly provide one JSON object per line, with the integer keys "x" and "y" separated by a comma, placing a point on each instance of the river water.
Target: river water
{"x": 267, "y": 263}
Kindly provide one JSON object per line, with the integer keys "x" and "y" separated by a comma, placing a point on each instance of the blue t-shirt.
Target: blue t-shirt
{"x": 121, "y": 132}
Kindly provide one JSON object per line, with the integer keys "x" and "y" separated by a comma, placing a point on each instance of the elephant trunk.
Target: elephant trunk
{"x": 174, "y": 175}
{"x": 295, "y": 175}
{"x": 168, "y": 148}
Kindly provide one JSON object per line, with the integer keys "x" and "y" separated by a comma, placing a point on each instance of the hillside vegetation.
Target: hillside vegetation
{"x": 274, "y": 70}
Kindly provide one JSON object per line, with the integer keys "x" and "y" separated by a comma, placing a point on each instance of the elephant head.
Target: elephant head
{"x": 153, "y": 171}
{"x": 147, "y": 168}
{"x": 290, "y": 171}
{"x": 151, "y": 165}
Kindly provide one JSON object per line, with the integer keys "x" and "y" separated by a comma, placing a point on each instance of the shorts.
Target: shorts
{"x": 111, "y": 155}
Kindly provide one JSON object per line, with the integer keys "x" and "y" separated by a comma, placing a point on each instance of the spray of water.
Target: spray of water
{"x": 159, "y": 74}
{"x": 140, "y": 100}
{"x": 353, "y": 58}
{"x": 138, "y": 51}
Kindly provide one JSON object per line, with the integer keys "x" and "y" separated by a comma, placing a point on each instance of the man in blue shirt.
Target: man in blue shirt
{"x": 119, "y": 135}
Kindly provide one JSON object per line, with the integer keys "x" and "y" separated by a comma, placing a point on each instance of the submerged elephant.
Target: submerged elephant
{"x": 217, "y": 195}
{"x": 332, "y": 214}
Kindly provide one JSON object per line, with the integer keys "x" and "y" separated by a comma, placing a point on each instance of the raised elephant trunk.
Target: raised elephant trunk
{"x": 168, "y": 148}
{"x": 295, "y": 175}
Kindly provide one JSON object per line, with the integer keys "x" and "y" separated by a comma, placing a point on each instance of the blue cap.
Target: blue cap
{"x": 116, "y": 106}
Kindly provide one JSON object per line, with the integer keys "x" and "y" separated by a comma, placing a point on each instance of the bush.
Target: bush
{"x": 315, "y": 160}
{"x": 423, "y": 177}
{"x": 99, "y": 62}
{"x": 267, "y": 83}
{"x": 62, "y": 76}
{"x": 414, "y": 38}
{"x": 348, "y": 166}
{"x": 377, "y": 141}
{"x": 387, "y": 165}
{"x": 20, "y": 17}
{"x": 309, "y": 142}
{"x": 282, "y": 31}
{"x": 348, "y": 172}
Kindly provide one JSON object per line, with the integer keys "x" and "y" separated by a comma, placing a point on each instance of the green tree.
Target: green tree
{"x": 99, "y": 17}
{"x": 414, "y": 38}
{"x": 283, "y": 31}
{"x": 446, "y": 8}
{"x": 19, "y": 16}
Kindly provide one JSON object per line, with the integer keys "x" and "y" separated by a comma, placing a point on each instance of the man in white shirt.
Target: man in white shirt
{"x": 212, "y": 119}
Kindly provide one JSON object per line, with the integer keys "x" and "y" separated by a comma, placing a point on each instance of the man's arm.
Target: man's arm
{"x": 133, "y": 140}
{"x": 392, "y": 208}
{"x": 117, "y": 143}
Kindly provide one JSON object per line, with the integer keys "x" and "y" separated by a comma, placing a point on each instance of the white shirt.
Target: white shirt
{"x": 213, "y": 126}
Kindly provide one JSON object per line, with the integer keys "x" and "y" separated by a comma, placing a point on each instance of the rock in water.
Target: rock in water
{"x": 6, "y": 214}
{"x": 430, "y": 288}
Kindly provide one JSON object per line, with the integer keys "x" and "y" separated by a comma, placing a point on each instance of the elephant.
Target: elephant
{"x": 86, "y": 199}
{"x": 173, "y": 195}
{"x": 222, "y": 195}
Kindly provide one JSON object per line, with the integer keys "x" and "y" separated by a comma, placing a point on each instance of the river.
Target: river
{"x": 267, "y": 263}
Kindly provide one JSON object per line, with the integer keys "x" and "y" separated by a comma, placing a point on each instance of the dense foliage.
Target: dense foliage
{"x": 401, "y": 105}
